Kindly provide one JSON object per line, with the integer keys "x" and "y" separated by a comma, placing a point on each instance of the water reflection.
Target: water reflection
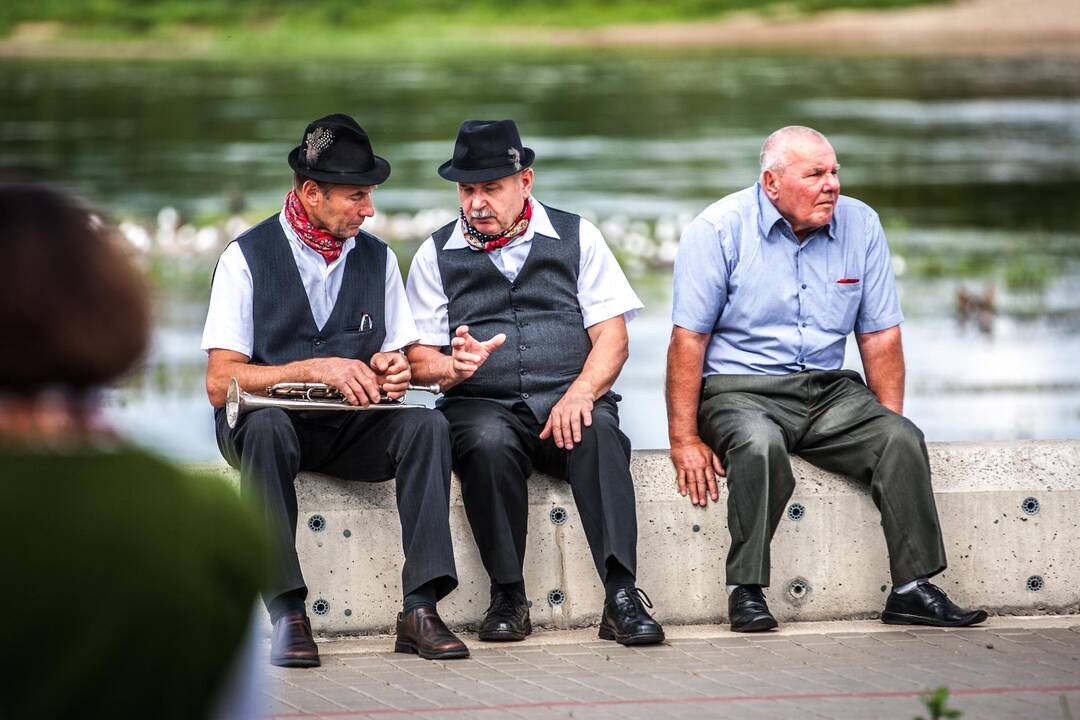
{"x": 970, "y": 162}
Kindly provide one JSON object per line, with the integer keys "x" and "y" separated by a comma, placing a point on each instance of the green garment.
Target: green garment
{"x": 128, "y": 585}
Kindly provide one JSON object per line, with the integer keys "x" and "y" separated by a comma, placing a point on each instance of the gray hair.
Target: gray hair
{"x": 774, "y": 155}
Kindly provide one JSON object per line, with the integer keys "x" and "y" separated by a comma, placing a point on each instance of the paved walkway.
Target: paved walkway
{"x": 1009, "y": 668}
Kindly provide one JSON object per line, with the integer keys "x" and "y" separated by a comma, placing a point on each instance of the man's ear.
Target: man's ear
{"x": 311, "y": 192}
{"x": 770, "y": 183}
{"x": 527, "y": 181}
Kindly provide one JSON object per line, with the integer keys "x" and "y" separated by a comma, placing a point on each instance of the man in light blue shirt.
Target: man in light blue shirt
{"x": 769, "y": 282}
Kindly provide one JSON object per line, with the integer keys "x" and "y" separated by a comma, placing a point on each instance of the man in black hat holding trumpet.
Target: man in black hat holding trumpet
{"x": 307, "y": 296}
{"x": 537, "y": 306}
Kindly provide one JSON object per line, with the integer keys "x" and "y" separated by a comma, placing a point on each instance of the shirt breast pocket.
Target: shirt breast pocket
{"x": 841, "y": 306}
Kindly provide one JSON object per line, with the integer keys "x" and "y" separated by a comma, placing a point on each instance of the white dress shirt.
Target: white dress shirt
{"x": 229, "y": 324}
{"x": 603, "y": 291}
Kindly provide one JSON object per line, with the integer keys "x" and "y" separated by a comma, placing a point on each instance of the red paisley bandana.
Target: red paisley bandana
{"x": 321, "y": 242}
{"x": 482, "y": 241}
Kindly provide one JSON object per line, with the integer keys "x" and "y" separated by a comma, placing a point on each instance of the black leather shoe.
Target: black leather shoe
{"x": 627, "y": 622}
{"x": 422, "y": 632}
{"x": 291, "y": 643}
{"x": 927, "y": 605}
{"x": 747, "y": 610}
{"x": 507, "y": 618}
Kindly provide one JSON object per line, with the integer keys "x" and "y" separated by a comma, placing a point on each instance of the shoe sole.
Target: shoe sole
{"x": 894, "y": 618}
{"x": 757, "y": 625}
{"x": 642, "y": 639}
{"x": 506, "y": 635}
{"x": 289, "y": 662}
{"x": 410, "y": 649}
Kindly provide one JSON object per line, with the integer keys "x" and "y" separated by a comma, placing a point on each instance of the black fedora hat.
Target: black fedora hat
{"x": 335, "y": 149}
{"x": 486, "y": 150}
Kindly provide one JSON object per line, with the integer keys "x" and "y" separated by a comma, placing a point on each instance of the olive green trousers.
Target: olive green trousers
{"x": 830, "y": 419}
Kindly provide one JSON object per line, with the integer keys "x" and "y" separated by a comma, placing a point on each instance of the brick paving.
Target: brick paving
{"x": 1010, "y": 668}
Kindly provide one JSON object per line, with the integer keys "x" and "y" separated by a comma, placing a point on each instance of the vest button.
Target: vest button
{"x": 513, "y": 288}
{"x": 524, "y": 396}
{"x": 523, "y": 371}
{"x": 318, "y": 341}
{"x": 521, "y": 347}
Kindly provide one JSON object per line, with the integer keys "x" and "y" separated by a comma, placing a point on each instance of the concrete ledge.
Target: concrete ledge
{"x": 828, "y": 564}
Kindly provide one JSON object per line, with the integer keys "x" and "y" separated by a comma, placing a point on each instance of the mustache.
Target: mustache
{"x": 480, "y": 214}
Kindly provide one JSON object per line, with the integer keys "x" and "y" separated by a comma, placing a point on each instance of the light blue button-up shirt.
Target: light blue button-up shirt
{"x": 775, "y": 306}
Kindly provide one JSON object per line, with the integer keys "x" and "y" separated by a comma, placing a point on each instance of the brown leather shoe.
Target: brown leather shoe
{"x": 422, "y": 632}
{"x": 291, "y": 644}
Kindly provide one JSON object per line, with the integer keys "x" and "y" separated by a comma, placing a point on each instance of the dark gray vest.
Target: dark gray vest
{"x": 546, "y": 342}
{"x": 285, "y": 329}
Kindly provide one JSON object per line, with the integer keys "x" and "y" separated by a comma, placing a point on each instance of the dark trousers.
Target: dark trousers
{"x": 270, "y": 446}
{"x": 833, "y": 421}
{"x": 496, "y": 448}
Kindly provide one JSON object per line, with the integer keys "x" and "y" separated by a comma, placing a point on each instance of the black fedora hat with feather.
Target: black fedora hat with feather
{"x": 335, "y": 149}
{"x": 486, "y": 150}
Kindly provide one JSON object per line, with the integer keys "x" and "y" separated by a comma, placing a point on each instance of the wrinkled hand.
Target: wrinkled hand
{"x": 696, "y": 469}
{"x": 469, "y": 354}
{"x": 392, "y": 373}
{"x": 353, "y": 378}
{"x": 573, "y": 410}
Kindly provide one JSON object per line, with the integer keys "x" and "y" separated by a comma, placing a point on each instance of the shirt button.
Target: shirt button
{"x": 804, "y": 324}
{"x": 804, "y": 286}
{"x": 524, "y": 396}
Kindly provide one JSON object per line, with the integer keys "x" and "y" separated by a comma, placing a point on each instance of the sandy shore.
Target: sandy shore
{"x": 963, "y": 27}
{"x": 980, "y": 27}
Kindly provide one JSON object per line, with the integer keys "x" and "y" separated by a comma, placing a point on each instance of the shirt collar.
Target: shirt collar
{"x": 540, "y": 224}
{"x": 768, "y": 216}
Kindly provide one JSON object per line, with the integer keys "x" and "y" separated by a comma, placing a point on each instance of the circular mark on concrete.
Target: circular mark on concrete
{"x": 316, "y": 523}
{"x": 556, "y": 597}
{"x": 347, "y": 533}
{"x": 1030, "y": 505}
{"x": 320, "y": 607}
{"x": 558, "y": 515}
{"x": 1035, "y": 583}
{"x": 798, "y": 588}
{"x": 348, "y": 612}
{"x": 796, "y": 511}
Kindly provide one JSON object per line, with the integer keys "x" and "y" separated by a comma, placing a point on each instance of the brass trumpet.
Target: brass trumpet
{"x": 304, "y": 396}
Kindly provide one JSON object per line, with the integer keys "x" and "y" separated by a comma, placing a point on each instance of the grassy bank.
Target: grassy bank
{"x": 352, "y": 28}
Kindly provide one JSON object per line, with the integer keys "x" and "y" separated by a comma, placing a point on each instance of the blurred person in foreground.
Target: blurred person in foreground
{"x": 307, "y": 296}
{"x": 130, "y": 584}
{"x": 769, "y": 282}
{"x": 511, "y": 267}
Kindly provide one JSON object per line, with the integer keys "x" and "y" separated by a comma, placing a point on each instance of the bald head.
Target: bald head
{"x": 777, "y": 150}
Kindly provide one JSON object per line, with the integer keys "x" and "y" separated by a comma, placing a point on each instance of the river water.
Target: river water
{"x": 972, "y": 164}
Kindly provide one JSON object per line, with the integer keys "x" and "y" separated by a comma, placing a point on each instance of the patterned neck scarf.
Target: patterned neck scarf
{"x": 318, "y": 240}
{"x": 483, "y": 242}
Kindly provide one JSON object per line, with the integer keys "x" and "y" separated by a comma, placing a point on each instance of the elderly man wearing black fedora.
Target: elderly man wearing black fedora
{"x": 548, "y": 299}
{"x": 306, "y": 296}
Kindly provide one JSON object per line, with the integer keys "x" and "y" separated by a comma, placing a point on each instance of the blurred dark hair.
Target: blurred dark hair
{"x": 74, "y": 310}
{"x": 298, "y": 181}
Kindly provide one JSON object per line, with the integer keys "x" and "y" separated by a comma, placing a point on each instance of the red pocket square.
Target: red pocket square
{"x": 847, "y": 281}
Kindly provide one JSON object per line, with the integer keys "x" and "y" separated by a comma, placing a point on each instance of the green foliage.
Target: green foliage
{"x": 937, "y": 704}
{"x": 140, "y": 16}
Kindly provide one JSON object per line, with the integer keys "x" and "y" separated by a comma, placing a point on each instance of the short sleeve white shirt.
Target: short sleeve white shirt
{"x": 603, "y": 291}
{"x": 229, "y": 323}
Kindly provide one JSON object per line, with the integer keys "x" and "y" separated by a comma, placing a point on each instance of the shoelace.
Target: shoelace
{"x": 502, "y": 602}
{"x": 645, "y": 600}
